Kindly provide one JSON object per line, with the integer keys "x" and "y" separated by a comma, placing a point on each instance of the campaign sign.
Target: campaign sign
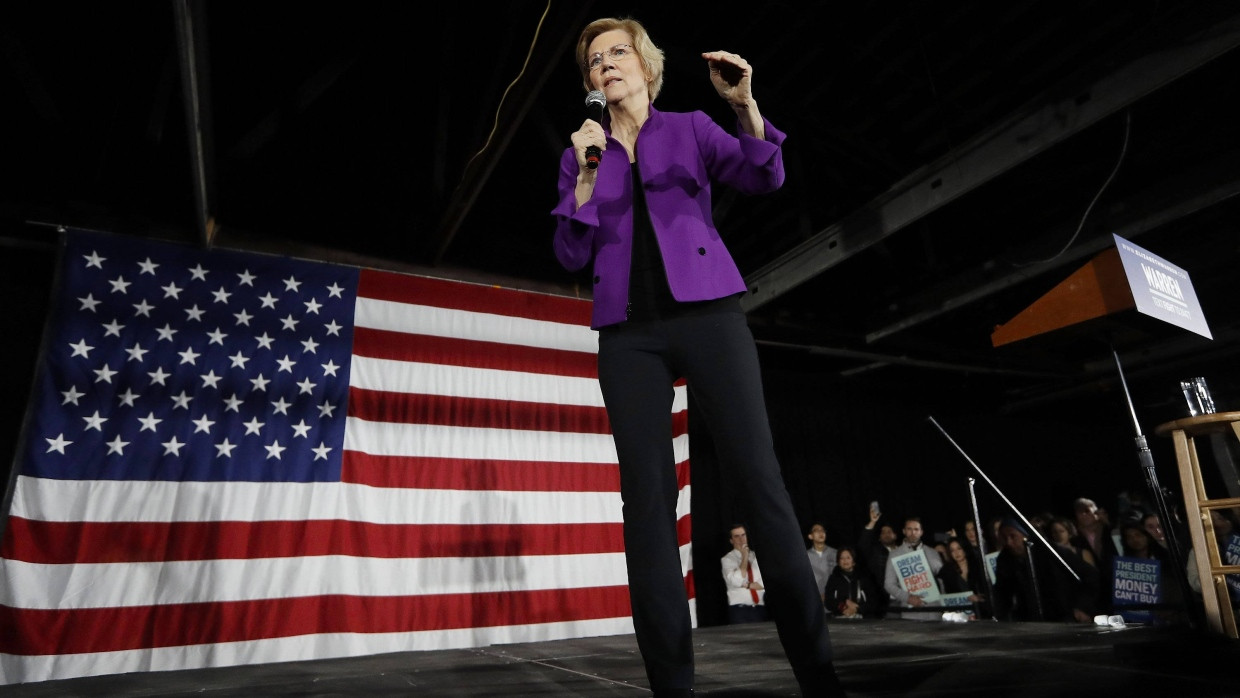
{"x": 958, "y": 599}
{"x": 992, "y": 564}
{"x": 1161, "y": 289}
{"x": 913, "y": 571}
{"x": 1136, "y": 581}
{"x": 1231, "y": 556}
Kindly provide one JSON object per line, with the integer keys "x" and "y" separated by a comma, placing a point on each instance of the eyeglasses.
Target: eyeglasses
{"x": 616, "y": 53}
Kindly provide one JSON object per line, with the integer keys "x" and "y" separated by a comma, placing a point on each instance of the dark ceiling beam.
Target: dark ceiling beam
{"x": 1038, "y": 126}
{"x": 1147, "y": 220}
{"x": 195, "y": 76}
{"x": 478, "y": 171}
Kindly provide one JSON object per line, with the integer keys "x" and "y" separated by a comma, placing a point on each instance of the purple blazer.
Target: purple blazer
{"x": 678, "y": 155}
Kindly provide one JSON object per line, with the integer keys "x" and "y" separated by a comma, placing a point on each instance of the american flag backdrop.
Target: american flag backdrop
{"x": 232, "y": 458}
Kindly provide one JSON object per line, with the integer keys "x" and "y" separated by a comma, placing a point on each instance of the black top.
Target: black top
{"x": 650, "y": 297}
{"x": 952, "y": 582}
{"x": 855, "y": 586}
{"x": 1057, "y": 591}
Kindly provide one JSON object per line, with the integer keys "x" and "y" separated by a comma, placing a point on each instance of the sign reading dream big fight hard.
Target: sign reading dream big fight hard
{"x": 913, "y": 571}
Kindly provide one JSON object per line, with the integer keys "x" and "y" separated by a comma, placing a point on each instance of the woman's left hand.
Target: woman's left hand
{"x": 732, "y": 77}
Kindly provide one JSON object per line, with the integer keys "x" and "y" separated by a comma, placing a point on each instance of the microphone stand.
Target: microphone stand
{"x": 1031, "y": 528}
{"x": 981, "y": 545}
{"x": 1033, "y": 574}
{"x": 1156, "y": 492}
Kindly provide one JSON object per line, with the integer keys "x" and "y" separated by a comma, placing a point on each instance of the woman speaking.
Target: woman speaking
{"x": 666, "y": 305}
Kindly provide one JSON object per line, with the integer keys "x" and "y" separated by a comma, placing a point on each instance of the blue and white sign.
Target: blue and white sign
{"x": 1136, "y": 582}
{"x": 913, "y": 571}
{"x": 1161, "y": 289}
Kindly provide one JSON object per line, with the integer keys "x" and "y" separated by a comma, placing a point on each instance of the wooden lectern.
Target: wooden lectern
{"x": 1095, "y": 290}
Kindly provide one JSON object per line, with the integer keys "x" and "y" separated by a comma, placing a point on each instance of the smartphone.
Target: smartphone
{"x": 874, "y": 507}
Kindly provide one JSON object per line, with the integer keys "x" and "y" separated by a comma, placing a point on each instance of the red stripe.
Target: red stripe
{"x": 452, "y": 411}
{"x": 484, "y": 475}
{"x": 171, "y": 625}
{"x": 61, "y": 542}
{"x": 401, "y": 346}
{"x": 481, "y": 298}
{"x": 446, "y": 410}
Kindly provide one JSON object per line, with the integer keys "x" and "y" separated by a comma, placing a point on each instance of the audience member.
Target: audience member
{"x": 912, "y": 541}
{"x": 1094, "y": 535}
{"x": 1032, "y": 584}
{"x": 850, "y": 592}
{"x": 821, "y": 556}
{"x": 960, "y": 573}
{"x": 743, "y": 578}
{"x": 1140, "y": 543}
{"x": 1225, "y": 529}
{"x": 1041, "y": 520}
{"x": 974, "y": 545}
{"x": 1063, "y": 532}
{"x": 993, "y": 544}
{"x": 874, "y": 545}
{"x": 1153, "y": 525}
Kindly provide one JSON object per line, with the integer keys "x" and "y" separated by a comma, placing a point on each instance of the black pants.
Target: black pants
{"x": 715, "y": 352}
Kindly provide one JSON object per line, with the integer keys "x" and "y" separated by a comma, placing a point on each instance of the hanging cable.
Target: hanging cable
{"x": 498, "y": 109}
{"x": 1123, "y": 151}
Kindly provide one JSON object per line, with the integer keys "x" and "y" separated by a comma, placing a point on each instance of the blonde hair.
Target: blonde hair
{"x": 651, "y": 56}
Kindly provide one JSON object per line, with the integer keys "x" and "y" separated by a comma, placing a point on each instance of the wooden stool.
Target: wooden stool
{"x": 1210, "y": 567}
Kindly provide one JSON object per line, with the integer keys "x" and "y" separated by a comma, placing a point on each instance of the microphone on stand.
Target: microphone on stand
{"x": 595, "y": 103}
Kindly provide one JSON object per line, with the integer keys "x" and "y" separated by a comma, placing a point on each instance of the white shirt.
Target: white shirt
{"x": 737, "y": 581}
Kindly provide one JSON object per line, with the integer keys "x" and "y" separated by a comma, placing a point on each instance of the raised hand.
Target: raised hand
{"x": 732, "y": 77}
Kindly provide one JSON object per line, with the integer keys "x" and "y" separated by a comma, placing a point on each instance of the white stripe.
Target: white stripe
{"x": 433, "y": 441}
{"x": 105, "y": 585}
{"x": 462, "y": 381}
{"x": 483, "y": 383}
{"x": 24, "y": 669}
{"x": 151, "y": 501}
{"x": 464, "y": 324}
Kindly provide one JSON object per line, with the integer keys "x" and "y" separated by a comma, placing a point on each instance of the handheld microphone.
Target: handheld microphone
{"x": 595, "y": 103}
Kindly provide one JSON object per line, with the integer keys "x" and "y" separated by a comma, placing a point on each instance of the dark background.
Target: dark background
{"x": 994, "y": 147}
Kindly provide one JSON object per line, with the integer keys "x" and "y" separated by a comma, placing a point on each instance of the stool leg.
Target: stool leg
{"x": 1190, "y": 483}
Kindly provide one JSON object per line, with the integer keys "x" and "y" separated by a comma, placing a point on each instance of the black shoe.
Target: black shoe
{"x": 825, "y": 684}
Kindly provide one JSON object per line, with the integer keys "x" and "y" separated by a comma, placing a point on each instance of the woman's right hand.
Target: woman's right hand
{"x": 590, "y": 134}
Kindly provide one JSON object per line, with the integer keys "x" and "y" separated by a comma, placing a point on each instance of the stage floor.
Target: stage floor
{"x": 874, "y": 658}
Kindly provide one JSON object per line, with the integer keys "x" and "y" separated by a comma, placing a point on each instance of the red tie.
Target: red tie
{"x": 752, "y": 592}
